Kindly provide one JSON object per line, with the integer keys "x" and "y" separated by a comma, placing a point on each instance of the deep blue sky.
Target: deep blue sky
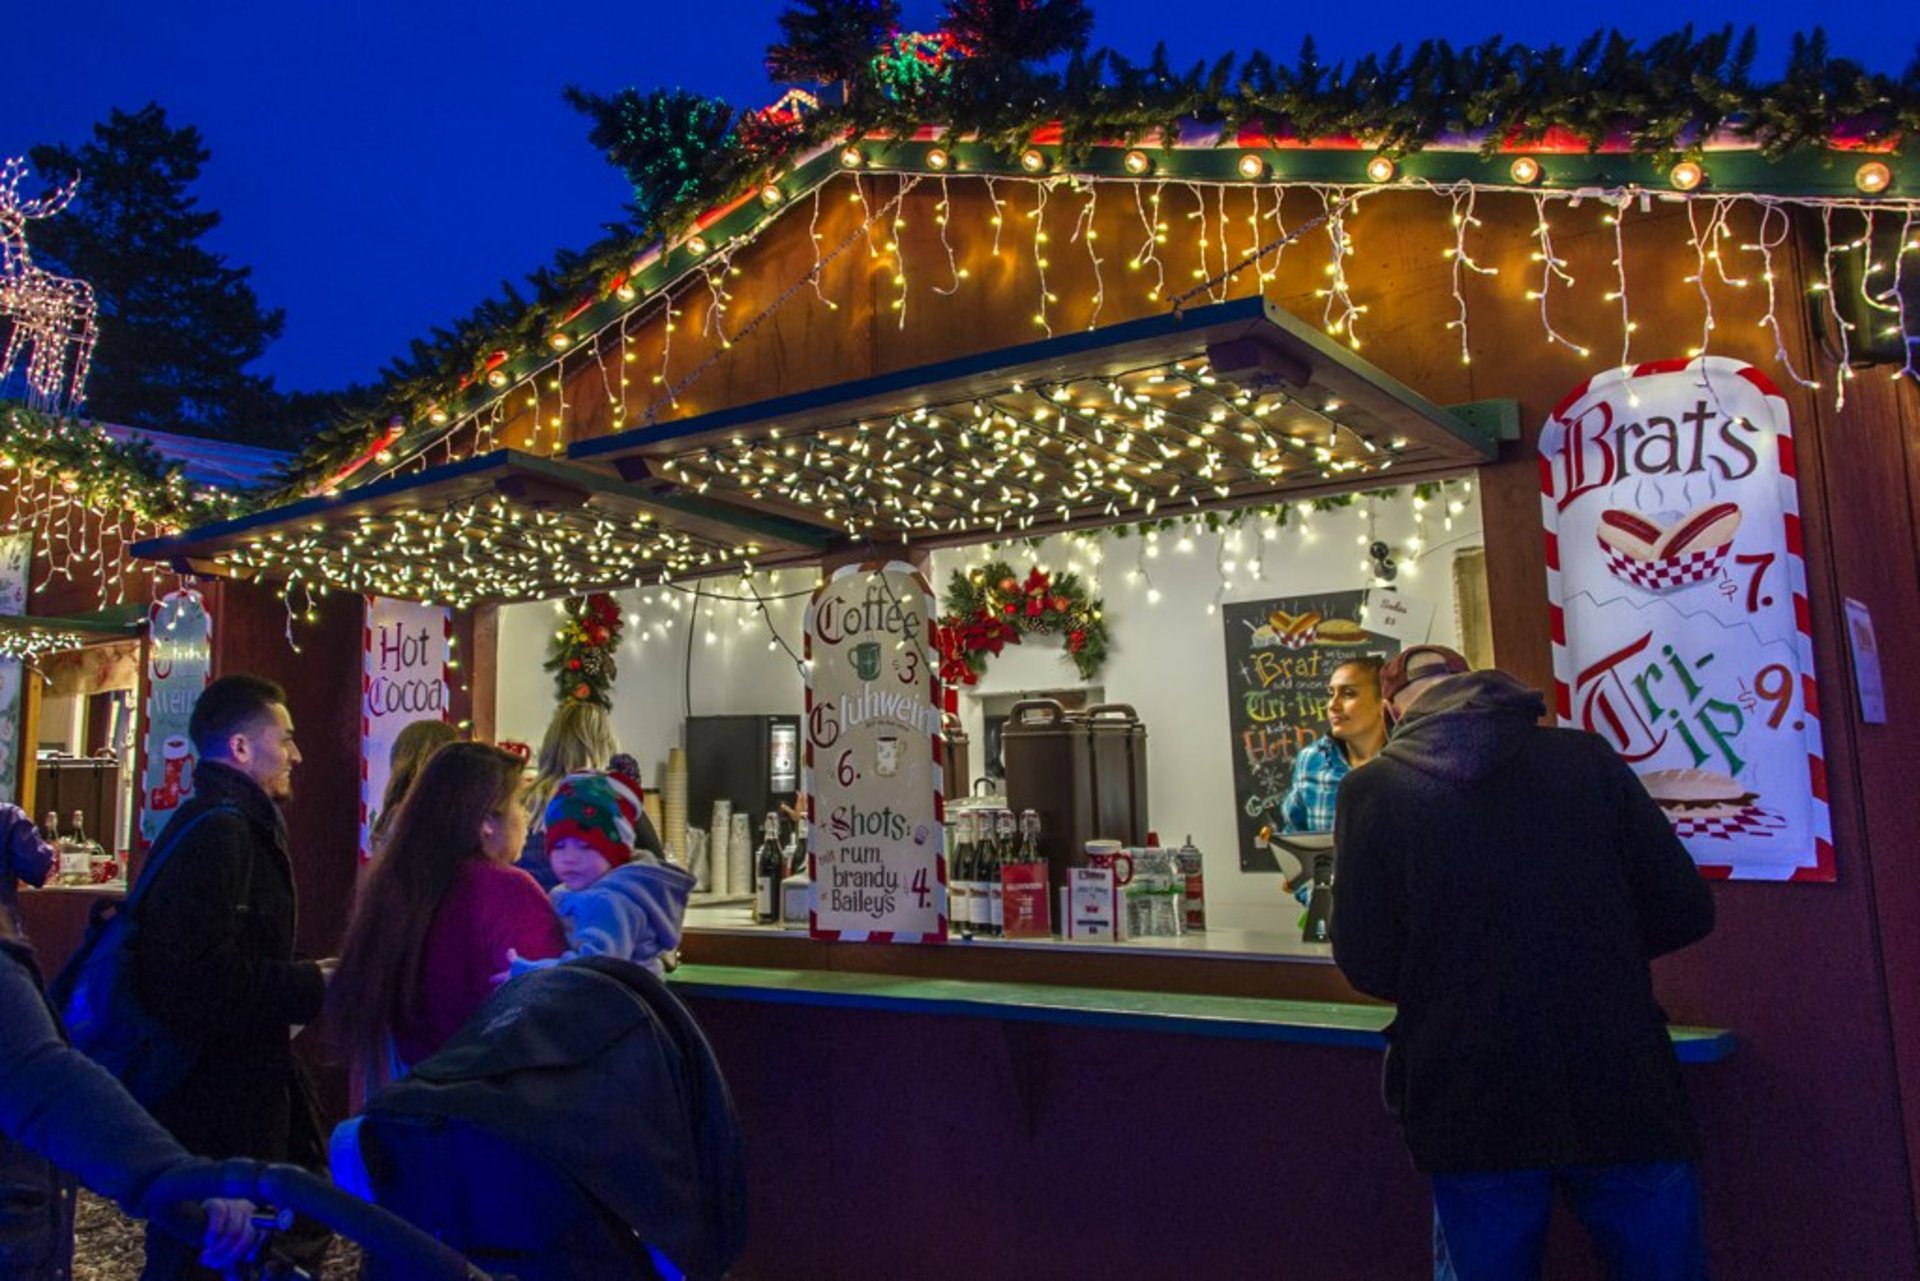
{"x": 383, "y": 166}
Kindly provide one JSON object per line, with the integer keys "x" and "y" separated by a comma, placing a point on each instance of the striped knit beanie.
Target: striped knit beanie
{"x": 600, "y": 809}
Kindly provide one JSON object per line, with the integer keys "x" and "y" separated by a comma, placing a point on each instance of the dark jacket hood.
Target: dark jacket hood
{"x": 1466, "y": 726}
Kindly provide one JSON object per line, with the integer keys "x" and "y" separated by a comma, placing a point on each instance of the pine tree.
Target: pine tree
{"x": 663, "y": 141}
{"x": 831, "y": 42}
{"x": 1004, "y": 36}
{"x": 178, "y": 325}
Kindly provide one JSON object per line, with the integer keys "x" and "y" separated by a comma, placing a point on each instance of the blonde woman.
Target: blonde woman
{"x": 579, "y": 738}
{"x": 411, "y": 748}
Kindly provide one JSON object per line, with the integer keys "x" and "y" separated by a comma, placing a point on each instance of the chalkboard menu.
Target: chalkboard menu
{"x": 1280, "y": 655}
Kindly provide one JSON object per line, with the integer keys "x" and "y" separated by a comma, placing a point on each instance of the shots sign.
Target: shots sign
{"x": 179, "y": 664}
{"x": 1679, "y": 606}
{"x": 875, "y": 843}
{"x": 403, "y": 679}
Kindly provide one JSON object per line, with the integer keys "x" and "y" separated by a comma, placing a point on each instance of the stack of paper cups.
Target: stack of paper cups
{"x": 721, "y": 831}
{"x": 656, "y": 813}
{"x": 699, "y": 865}
{"x": 740, "y": 855}
{"x": 674, "y": 807}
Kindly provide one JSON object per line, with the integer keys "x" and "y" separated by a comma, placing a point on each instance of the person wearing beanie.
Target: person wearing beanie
{"x": 615, "y": 896}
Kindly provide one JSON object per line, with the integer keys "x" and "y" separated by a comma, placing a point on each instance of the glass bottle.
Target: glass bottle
{"x": 959, "y": 897}
{"x": 76, "y": 858}
{"x": 769, "y": 871}
{"x": 1005, "y": 848}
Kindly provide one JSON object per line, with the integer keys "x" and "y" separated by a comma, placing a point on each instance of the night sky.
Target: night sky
{"x": 384, "y": 166}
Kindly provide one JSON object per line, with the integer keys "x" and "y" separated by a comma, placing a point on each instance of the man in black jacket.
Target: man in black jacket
{"x": 1506, "y": 884}
{"x": 214, "y": 956}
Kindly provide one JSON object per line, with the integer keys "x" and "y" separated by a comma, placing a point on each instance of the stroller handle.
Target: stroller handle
{"x": 385, "y": 1235}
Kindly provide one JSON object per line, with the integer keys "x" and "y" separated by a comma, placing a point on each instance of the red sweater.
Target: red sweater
{"x": 492, "y": 908}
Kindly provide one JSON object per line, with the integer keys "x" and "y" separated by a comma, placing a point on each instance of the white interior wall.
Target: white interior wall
{"x": 1168, "y": 654}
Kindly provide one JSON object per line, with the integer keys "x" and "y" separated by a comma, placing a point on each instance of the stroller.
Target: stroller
{"x": 577, "y": 1126}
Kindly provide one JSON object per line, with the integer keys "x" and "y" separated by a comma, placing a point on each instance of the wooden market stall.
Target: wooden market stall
{"x": 907, "y": 339}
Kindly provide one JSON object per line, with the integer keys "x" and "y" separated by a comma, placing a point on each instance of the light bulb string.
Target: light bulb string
{"x": 1342, "y": 205}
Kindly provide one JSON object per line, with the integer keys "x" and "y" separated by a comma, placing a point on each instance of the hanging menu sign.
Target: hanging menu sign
{"x": 1280, "y": 655}
{"x": 875, "y": 844}
{"x": 1679, "y": 606}
{"x": 403, "y": 679}
{"x": 179, "y": 664}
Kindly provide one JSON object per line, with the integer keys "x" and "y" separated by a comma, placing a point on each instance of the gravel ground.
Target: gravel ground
{"x": 108, "y": 1246}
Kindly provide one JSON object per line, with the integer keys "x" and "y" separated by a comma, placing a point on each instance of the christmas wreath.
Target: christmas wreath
{"x": 988, "y": 608}
{"x": 581, "y": 656}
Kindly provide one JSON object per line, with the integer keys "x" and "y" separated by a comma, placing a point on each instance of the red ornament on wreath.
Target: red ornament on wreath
{"x": 983, "y": 614}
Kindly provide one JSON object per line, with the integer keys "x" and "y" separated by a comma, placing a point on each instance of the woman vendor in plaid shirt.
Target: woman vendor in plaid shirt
{"x": 1356, "y": 731}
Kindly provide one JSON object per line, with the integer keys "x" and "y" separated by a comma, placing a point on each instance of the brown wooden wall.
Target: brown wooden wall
{"x": 1820, "y": 1107}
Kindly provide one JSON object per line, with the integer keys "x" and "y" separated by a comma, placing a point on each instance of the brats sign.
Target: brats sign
{"x": 1679, "y": 606}
{"x": 875, "y": 846}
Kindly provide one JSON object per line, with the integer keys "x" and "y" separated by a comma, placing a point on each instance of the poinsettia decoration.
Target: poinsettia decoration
{"x": 989, "y": 608}
{"x": 581, "y": 655}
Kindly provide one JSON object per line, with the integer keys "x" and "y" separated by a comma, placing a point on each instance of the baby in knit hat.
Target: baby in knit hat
{"x": 615, "y": 896}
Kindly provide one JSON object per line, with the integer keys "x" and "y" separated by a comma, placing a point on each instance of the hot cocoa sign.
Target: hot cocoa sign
{"x": 875, "y": 841}
{"x": 404, "y": 651}
{"x": 1679, "y": 606}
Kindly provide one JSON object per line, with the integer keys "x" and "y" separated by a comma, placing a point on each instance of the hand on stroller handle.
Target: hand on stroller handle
{"x": 381, "y": 1233}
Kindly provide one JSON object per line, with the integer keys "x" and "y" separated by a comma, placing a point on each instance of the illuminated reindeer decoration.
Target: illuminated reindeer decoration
{"x": 53, "y": 316}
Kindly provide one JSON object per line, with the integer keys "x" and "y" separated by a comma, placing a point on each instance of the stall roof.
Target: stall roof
{"x": 1218, "y": 406}
{"x": 27, "y": 637}
{"x": 502, "y": 526}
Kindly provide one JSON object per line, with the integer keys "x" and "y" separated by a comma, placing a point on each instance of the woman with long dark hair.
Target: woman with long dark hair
{"x": 435, "y": 920}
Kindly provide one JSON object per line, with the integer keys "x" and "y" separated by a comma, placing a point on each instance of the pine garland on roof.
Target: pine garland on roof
{"x": 682, "y": 157}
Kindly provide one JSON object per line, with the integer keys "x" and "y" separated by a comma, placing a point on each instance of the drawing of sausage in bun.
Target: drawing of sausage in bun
{"x": 1698, "y": 794}
{"x": 1339, "y": 631}
{"x": 1293, "y": 631}
{"x": 1707, "y": 528}
{"x": 1629, "y": 532}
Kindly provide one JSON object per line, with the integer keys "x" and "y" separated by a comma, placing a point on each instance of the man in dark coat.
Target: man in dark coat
{"x": 1506, "y": 884}
{"x": 214, "y": 956}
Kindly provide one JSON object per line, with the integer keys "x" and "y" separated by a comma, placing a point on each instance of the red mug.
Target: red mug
{"x": 1111, "y": 855}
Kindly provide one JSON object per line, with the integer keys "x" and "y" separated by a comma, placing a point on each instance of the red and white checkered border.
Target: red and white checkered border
{"x": 1669, "y": 572}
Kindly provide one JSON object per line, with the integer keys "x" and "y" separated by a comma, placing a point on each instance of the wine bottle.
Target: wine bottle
{"x": 76, "y": 858}
{"x": 986, "y": 885}
{"x": 770, "y": 869}
{"x": 1318, "y": 927}
{"x": 959, "y": 888}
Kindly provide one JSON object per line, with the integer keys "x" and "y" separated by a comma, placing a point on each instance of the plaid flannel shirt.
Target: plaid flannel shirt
{"x": 1317, "y": 772}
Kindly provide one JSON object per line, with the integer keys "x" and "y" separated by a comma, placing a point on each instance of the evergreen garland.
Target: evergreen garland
{"x": 107, "y": 476}
{"x": 988, "y": 608}
{"x": 580, "y": 655}
{"x": 1662, "y": 98}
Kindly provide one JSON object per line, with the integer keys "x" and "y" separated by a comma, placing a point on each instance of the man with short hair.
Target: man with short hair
{"x": 1506, "y": 884}
{"x": 214, "y": 954}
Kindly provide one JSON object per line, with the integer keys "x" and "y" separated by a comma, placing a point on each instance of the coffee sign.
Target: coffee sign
{"x": 1679, "y": 606}
{"x": 875, "y": 842}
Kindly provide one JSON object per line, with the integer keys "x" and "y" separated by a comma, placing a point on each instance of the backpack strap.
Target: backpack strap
{"x": 162, "y": 851}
